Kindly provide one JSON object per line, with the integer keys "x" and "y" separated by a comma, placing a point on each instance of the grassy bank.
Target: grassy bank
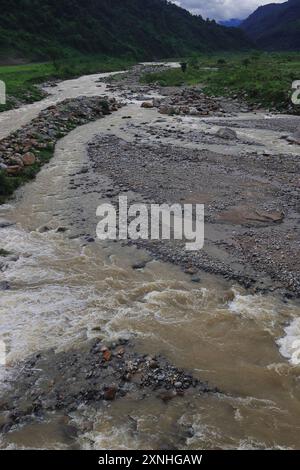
{"x": 20, "y": 79}
{"x": 8, "y": 184}
{"x": 35, "y": 137}
{"x": 259, "y": 78}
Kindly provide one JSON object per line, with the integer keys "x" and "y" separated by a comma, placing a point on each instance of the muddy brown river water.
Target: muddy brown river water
{"x": 65, "y": 291}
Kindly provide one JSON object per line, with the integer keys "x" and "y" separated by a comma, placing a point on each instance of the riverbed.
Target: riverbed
{"x": 67, "y": 290}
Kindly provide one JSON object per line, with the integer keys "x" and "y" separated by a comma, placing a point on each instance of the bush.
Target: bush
{"x": 246, "y": 62}
{"x": 6, "y": 185}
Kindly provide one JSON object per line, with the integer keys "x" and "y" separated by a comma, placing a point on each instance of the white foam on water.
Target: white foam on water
{"x": 107, "y": 432}
{"x": 117, "y": 438}
{"x": 60, "y": 295}
{"x": 202, "y": 433}
{"x": 290, "y": 344}
{"x": 41, "y": 318}
{"x": 253, "y": 444}
{"x": 266, "y": 311}
{"x": 27, "y": 244}
{"x": 45, "y": 306}
{"x": 253, "y": 306}
{"x": 164, "y": 305}
{"x": 269, "y": 312}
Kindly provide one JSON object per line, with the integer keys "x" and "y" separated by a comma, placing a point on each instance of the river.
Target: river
{"x": 65, "y": 292}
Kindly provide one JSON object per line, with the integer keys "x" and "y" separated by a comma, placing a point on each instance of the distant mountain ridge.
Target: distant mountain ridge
{"x": 232, "y": 23}
{"x": 275, "y": 26}
{"x": 148, "y": 29}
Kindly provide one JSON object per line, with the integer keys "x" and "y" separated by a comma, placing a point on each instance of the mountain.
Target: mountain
{"x": 275, "y": 26}
{"x": 232, "y": 23}
{"x": 140, "y": 28}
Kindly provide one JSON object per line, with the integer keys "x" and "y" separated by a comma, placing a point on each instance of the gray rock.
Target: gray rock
{"x": 13, "y": 258}
{"x": 140, "y": 265}
{"x": 61, "y": 229}
{"x": 226, "y": 133}
{"x": 295, "y": 138}
{"x": 178, "y": 384}
{"x": 43, "y": 229}
{"x": 4, "y": 285}
{"x": 5, "y": 223}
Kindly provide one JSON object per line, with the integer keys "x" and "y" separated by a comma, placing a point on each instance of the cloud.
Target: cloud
{"x": 223, "y": 9}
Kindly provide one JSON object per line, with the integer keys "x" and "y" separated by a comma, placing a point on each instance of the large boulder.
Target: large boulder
{"x": 226, "y": 133}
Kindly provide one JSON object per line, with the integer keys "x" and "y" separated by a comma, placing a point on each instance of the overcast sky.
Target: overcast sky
{"x": 224, "y": 9}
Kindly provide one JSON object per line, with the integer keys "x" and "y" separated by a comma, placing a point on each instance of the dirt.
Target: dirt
{"x": 249, "y": 184}
{"x": 251, "y": 204}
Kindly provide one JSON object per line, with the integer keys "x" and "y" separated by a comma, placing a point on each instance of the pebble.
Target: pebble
{"x": 178, "y": 384}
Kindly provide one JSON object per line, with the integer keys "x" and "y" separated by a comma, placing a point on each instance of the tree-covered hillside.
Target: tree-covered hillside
{"x": 275, "y": 26}
{"x": 33, "y": 29}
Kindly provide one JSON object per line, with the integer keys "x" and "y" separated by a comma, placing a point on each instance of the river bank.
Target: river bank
{"x": 25, "y": 83}
{"x": 25, "y": 151}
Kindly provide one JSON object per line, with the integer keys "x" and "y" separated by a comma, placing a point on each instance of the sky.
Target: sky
{"x": 223, "y": 9}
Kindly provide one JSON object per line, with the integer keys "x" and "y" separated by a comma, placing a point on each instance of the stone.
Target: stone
{"x": 107, "y": 355}
{"x": 147, "y": 105}
{"x": 13, "y": 258}
{"x": 190, "y": 270}
{"x": 166, "y": 396}
{"x": 16, "y": 160}
{"x": 167, "y": 110}
{"x": 28, "y": 159}
{"x": 178, "y": 384}
{"x": 43, "y": 229}
{"x": 140, "y": 265}
{"x": 229, "y": 296}
{"x": 4, "y": 286}
{"x": 110, "y": 393}
{"x": 194, "y": 111}
{"x": 226, "y": 133}
{"x": 13, "y": 170}
{"x": 5, "y": 223}
{"x": 295, "y": 138}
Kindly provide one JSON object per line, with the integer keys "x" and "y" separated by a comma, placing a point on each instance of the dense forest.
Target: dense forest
{"x": 275, "y": 26}
{"x": 33, "y": 29}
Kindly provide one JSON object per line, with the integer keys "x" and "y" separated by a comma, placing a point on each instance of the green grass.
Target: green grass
{"x": 259, "y": 78}
{"x": 20, "y": 79}
{"x": 4, "y": 253}
{"x": 8, "y": 184}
